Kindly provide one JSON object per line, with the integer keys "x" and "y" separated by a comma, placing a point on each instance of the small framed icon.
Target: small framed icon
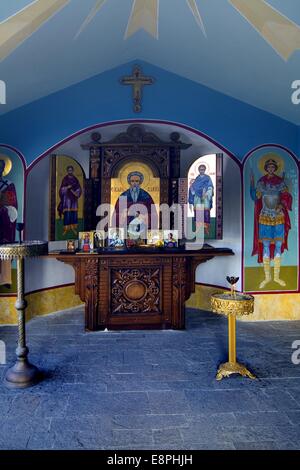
{"x": 71, "y": 246}
{"x": 99, "y": 237}
{"x": 170, "y": 238}
{"x": 155, "y": 237}
{"x": 116, "y": 237}
{"x": 86, "y": 241}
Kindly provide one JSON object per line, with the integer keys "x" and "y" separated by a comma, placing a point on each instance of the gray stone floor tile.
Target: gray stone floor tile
{"x": 265, "y": 445}
{"x": 103, "y": 403}
{"x": 294, "y": 416}
{"x": 168, "y": 437}
{"x": 150, "y": 421}
{"x": 168, "y": 402}
{"x": 217, "y": 401}
{"x": 262, "y": 418}
{"x": 132, "y": 437}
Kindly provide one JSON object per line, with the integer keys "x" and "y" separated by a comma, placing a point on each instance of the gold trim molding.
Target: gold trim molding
{"x": 39, "y": 303}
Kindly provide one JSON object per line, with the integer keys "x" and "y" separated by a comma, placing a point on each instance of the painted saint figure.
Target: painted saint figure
{"x": 170, "y": 241}
{"x": 99, "y": 239}
{"x": 201, "y": 195}
{"x": 86, "y": 244}
{"x": 8, "y": 217}
{"x": 271, "y": 219}
{"x": 115, "y": 239}
{"x": 94, "y": 162}
{"x": 69, "y": 193}
{"x": 135, "y": 195}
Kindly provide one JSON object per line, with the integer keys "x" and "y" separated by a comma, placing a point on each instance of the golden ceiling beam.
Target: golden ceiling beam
{"x": 195, "y": 10}
{"x": 97, "y": 7}
{"x": 18, "y": 27}
{"x": 278, "y": 30}
{"x": 144, "y": 15}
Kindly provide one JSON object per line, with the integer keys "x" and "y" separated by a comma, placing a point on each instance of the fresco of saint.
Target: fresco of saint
{"x": 135, "y": 194}
{"x": 69, "y": 193}
{"x": 272, "y": 224}
{"x": 8, "y": 217}
{"x": 201, "y": 195}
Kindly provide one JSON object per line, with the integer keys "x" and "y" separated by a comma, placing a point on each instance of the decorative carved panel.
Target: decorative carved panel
{"x": 135, "y": 290}
{"x": 182, "y": 198}
{"x": 157, "y": 157}
{"x": 91, "y": 291}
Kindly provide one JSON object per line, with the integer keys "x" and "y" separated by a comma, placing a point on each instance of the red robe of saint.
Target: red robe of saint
{"x": 286, "y": 202}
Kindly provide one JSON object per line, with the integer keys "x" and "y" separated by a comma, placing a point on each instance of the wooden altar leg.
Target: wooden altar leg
{"x": 91, "y": 293}
{"x": 180, "y": 274}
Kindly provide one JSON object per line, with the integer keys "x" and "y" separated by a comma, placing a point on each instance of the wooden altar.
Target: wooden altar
{"x": 137, "y": 288}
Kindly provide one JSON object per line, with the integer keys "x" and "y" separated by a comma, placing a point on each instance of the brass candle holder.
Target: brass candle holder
{"x": 232, "y": 304}
{"x": 22, "y": 374}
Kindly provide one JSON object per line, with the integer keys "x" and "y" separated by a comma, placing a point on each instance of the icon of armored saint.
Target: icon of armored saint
{"x": 272, "y": 224}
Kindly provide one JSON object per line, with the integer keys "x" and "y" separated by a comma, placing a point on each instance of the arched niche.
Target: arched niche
{"x": 215, "y": 272}
{"x": 205, "y": 187}
{"x": 12, "y": 184}
{"x": 44, "y": 181}
{"x": 271, "y": 246}
{"x": 67, "y": 198}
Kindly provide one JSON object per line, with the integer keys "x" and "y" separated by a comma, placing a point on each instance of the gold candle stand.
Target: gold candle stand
{"x": 232, "y": 306}
{"x": 22, "y": 374}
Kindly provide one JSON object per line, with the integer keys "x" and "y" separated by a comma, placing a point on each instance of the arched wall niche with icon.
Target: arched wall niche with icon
{"x": 205, "y": 194}
{"x": 271, "y": 208}
{"x": 67, "y": 198}
{"x": 12, "y": 174}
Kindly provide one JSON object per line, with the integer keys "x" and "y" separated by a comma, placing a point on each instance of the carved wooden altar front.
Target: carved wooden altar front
{"x": 137, "y": 289}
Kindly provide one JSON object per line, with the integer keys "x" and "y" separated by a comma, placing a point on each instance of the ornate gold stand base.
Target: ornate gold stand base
{"x": 229, "y": 368}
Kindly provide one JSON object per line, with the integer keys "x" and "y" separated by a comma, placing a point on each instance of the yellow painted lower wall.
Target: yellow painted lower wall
{"x": 266, "y": 306}
{"x": 39, "y": 303}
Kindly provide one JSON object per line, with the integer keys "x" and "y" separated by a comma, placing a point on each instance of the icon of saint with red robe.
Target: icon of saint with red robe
{"x": 69, "y": 193}
{"x": 8, "y": 218}
{"x": 272, "y": 224}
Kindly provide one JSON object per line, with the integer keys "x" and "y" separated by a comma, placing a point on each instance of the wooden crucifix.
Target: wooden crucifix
{"x": 137, "y": 81}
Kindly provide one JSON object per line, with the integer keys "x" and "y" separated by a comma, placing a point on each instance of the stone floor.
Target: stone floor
{"x": 153, "y": 390}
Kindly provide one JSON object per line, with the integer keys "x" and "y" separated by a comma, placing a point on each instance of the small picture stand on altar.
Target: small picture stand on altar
{"x": 86, "y": 241}
{"x": 99, "y": 239}
{"x": 170, "y": 238}
{"x": 71, "y": 246}
{"x": 155, "y": 238}
{"x": 116, "y": 238}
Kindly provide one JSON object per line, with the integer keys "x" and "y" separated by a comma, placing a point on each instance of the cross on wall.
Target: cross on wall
{"x": 137, "y": 80}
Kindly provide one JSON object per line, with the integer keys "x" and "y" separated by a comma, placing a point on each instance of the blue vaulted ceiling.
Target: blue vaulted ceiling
{"x": 233, "y": 57}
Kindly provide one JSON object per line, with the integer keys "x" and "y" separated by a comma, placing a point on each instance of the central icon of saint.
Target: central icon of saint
{"x": 136, "y": 196}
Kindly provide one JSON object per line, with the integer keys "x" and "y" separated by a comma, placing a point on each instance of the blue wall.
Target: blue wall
{"x": 237, "y": 126}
